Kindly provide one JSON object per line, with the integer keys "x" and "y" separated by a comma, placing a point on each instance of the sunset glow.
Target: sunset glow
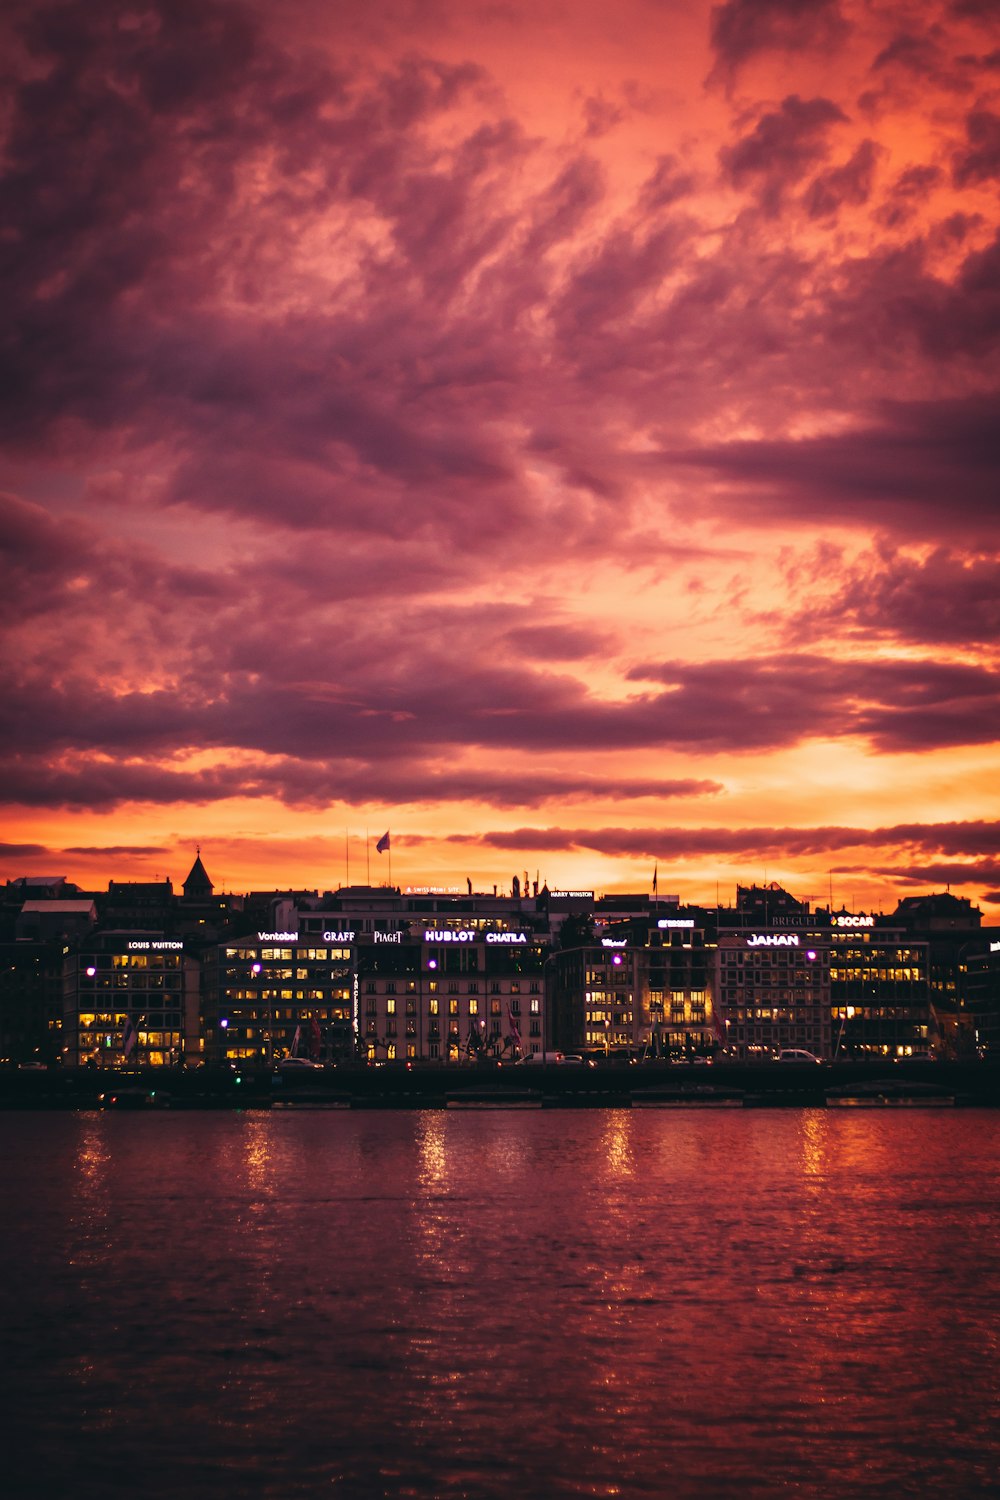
{"x": 564, "y": 434}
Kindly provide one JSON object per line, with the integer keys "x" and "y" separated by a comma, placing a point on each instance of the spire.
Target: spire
{"x": 197, "y": 883}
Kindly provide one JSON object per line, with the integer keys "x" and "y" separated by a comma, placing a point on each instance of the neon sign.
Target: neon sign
{"x": 506, "y": 937}
{"x": 384, "y": 937}
{"x": 773, "y": 940}
{"x": 676, "y": 922}
{"x": 446, "y": 935}
{"x": 614, "y": 942}
{"x": 338, "y": 937}
{"x": 277, "y": 937}
{"x": 854, "y": 921}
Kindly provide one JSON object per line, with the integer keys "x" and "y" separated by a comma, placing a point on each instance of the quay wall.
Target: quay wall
{"x": 426, "y": 1086}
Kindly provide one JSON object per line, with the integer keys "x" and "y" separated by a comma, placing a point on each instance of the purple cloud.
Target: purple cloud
{"x": 743, "y": 29}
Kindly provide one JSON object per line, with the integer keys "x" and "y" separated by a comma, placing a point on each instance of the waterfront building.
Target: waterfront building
{"x": 980, "y": 980}
{"x": 130, "y": 999}
{"x": 593, "y": 999}
{"x": 423, "y": 974}
{"x": 952, "y": 928}
{"x": 267, "y": 995}
{"x": 638, "y": 988}
{"x": 772, "y": 976}
{"x": 452, "y": 993}
{"x": 676, "y": 982}
{"x": 880, "y": 992}
{"x": 773, "y": 992}
{"x": 31, "y": 1001}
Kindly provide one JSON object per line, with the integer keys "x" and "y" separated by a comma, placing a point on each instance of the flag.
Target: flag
{"x": 655, "y": 874}
{"x": 514, "y": 1030}
{"x": 296, "y": 1039}
{"x": 315, "y": 1040}
{"x": 129, "y": 1036}
{"x": 383, "y": 842}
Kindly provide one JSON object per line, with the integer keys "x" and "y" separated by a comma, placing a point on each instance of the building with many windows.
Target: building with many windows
{"x": 879, "y": 989}
{"x": 130, "y": 999}
{"x": 270, "y": 995}
{"x": 451, "y": 993}
{"x": 773, "y": 992}
{"x": 375, "y": 974}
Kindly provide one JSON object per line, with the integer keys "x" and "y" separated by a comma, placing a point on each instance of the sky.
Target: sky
{"x": 563, "y": 434}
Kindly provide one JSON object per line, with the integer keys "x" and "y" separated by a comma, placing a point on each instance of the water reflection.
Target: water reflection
{"x": 616, "y": 1143}
{"x": 443, "y": 1305}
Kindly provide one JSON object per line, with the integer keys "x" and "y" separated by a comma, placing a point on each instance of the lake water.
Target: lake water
{"x": 501, "y": 1303}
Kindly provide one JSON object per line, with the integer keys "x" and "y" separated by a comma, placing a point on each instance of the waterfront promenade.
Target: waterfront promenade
{"x": 428, "y": 1086}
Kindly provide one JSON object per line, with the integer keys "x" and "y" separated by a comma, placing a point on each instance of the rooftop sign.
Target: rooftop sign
{"x": 847, "y": 921}
{"x": 676, "y": 922}
{"x": 773, "y": 940}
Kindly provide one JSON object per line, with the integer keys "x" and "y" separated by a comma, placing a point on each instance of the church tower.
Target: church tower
{"x": 197, "y": 886}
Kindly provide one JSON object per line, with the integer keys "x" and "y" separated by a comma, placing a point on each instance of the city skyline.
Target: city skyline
{"x": 564, "y": 437}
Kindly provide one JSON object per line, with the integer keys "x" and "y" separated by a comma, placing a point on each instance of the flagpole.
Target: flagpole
{"x": 347, "y": 857}
{"x": 368, "y": 857}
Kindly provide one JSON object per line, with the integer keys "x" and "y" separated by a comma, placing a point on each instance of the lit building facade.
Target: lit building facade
{"x": 592, "y": 998}
{"x": 271, "y": 995}
{"x": 676, "y": 978}
{"x": 452, "y": 993}
{"x": 773, "y": 992}
{"x": 880, "y": 993}
{"x": 130, "y": 999}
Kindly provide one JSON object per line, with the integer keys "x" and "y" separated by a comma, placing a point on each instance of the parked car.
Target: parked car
{"x": 297, "y": 1062}
{"x": 797, "y": 1055}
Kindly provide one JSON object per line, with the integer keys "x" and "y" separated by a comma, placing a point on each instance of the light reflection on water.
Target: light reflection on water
{"x": 496, "y": 1303}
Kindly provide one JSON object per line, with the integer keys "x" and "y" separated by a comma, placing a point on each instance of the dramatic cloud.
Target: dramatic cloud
{"x": 428, "y": 414}
{"x": 742, "y": 29}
